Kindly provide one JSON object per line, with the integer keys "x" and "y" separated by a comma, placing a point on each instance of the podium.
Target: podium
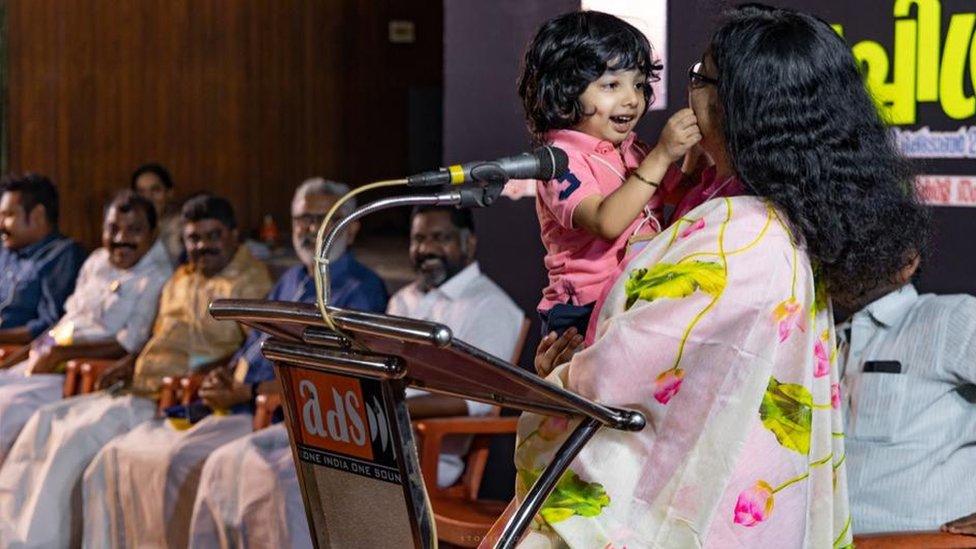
{"x": 349, "y": 426}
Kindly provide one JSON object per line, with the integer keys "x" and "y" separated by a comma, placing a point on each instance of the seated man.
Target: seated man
{"x": 39, "y": 481}
{"x": 158, "y": 514}
{"x": 909, "y": 397}
{"x": 38, "y": 263}
{"x": 109, "y": 315}
{"x": 249, "y": 491}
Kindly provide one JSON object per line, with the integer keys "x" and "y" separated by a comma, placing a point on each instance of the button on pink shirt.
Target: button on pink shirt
{"x": 580, "y": 263}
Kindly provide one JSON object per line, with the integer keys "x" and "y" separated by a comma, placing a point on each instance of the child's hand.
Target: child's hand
{"x": 679, "y": 135}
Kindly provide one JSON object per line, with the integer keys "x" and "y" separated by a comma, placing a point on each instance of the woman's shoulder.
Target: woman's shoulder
{"x": 735, "y": 212}
{"x": 743, "y": 232}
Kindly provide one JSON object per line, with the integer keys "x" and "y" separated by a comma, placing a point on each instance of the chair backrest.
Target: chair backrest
{"x": 477, "y": 458}
{"x": 520, "y": 342}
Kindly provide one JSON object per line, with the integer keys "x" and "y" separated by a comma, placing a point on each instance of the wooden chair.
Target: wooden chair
{"x": 81, "y": 375}
{"x": 72, "y": 379}
{"x": 264, "y": 410}
{"x": 179, "y": 390}
{"x": 10, "y": 350}
{"x": 913, "y": 540}
{"x": 89, "y": 370}
{"x": 462, "y": 519}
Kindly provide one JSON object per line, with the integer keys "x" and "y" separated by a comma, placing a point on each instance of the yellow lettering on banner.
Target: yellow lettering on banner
{"x": 896, "y": 99}
{"x": 972, "y": 62}
{"x": 929, "y": 25}
{"x": 954, "y": 101}
{"x": 915, "y": 73}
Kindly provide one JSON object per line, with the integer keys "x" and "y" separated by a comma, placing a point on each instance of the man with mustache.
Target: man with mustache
{"x": 265, "y": 503}
{"x": 39, "y": 480}
{"x": 159, "y": 512}
{"x": 109, "y": 315}
{"x": 38, "y": 264}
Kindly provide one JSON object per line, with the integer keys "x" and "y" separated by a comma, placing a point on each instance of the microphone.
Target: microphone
{"x": 544, "y": 164}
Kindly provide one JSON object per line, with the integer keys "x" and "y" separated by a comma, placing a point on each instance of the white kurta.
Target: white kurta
{"x": 107, "y": 303}
{"x": 139, "y": 489}
{"x": 40, "y": 496}
{"x": 20, "y": 397}
{"x": 249, "y": 496}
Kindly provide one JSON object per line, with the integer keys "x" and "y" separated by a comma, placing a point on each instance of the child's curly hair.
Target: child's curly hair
{"x": 568, "y": 53}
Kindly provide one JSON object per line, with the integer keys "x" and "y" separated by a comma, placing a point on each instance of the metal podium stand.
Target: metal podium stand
{"x": 350, "y": 430}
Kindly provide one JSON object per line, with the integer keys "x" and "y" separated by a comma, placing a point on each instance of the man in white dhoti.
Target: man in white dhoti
{"x": 164, "y": 458}
{"x": 249, "y": 494}
{"x": 40, "y": 503}
{"x": 109, "y": 315}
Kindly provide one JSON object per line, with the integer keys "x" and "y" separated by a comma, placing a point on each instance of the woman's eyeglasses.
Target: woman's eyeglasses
{"x": 697, "y": 79}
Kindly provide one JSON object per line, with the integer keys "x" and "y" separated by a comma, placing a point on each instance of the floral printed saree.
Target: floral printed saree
{"x": 718, "y": 332}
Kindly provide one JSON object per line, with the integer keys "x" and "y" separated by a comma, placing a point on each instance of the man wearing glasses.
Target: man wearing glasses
{"x": 159, "y": 513}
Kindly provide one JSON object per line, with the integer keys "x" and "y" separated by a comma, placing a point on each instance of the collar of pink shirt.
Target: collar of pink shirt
{"x": 576, "y": 140}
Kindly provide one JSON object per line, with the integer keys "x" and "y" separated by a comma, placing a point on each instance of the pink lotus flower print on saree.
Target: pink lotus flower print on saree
{"x": 668, "y": 384}
{"x": 787, "y": 316}
{"x": 754, "y": 505}
{"x": 822, "y": 367}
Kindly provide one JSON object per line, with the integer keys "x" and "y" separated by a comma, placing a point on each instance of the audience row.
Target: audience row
{"x": 105, "y": 465}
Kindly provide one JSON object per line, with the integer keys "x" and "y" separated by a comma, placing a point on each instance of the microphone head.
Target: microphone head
{"x": 553, "y": 162}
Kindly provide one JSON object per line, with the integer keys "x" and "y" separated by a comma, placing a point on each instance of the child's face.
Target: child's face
{"x": 612, "y": 105}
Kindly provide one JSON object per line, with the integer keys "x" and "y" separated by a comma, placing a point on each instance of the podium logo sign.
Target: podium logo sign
{"x": 343, "y": 424}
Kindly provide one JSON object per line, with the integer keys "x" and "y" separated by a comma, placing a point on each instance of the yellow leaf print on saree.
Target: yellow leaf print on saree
{"x": 674, "y": 281}
{"x": 787, "y": 411}
{"x": 571, "y": 496}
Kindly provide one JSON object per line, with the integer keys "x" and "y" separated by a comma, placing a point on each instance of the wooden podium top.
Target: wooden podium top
{"x": 429, "y": 357}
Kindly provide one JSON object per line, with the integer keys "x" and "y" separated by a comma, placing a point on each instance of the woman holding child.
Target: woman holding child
{"x": 719, "y": 329}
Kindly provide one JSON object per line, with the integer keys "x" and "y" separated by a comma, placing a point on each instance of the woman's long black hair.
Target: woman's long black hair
{"x": 567, "y": 53}
{"x": 802, "y": 131}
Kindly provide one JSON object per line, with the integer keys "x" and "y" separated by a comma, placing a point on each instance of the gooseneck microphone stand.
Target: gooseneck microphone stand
{"x": 462, "y": 197}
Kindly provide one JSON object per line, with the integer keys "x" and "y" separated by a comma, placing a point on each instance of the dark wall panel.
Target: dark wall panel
{"x": 242, "y": 98}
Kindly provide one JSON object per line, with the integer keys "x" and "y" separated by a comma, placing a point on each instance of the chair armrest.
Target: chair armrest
{"x": 167, "y": 393}
{"x": 91, "y": 369}
{"x": 189, "y": 386}
{"x": 431, "y": 433}
{"x": 905, "y": 540}
{"x": 13, "y": 353}
{"x": 264, "y": 409}
{"x": 466, "y": 425}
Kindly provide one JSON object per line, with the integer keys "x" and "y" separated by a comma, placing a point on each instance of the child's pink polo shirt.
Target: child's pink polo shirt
{"x": 579, "y": 263}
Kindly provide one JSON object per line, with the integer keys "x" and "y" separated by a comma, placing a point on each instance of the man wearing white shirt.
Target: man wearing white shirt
{"x": 908, "y": 368}
{"x": 452, "y": 290}
{"x": 110, "y": 314}
{"x": 249, "y": 489}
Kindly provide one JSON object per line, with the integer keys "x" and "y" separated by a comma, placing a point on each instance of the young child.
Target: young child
{"x": 584, "y": 86}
